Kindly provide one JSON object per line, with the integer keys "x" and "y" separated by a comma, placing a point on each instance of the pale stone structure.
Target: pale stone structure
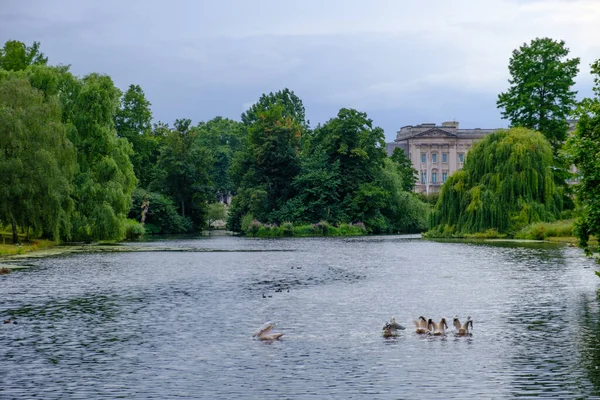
{"x": 435, "y": 151}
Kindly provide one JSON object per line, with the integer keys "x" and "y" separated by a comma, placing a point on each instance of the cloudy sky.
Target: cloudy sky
{"x": 403, "y": 62}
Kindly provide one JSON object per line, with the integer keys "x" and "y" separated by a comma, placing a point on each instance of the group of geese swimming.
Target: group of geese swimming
{"x": 428, "y": 326}
{"x": 391, "y": 328}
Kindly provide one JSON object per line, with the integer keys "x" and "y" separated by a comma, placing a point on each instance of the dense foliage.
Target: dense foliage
{"x": 541, "y": 95}
{"x": 506, "y": 183}
{"x": 584, "y": 149}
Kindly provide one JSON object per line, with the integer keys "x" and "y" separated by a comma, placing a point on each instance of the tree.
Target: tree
{"x": 222, "y": 137}
{"x": 16, "y": 56}
{"x": 265, "y": 168}
{"x": 292, "y": 107}
{"x": 183, "y": 172}
{"x": 583, "y": 147}
{"x": 351, "y": 141}
{"x": 506, "y": 183}
{"x": 405, "y": 169}
{"x": 133, "y": 121}
{"x": 216, "y": 211}
{"x": 105, "y": 178}
{"x": 37, "y": 161}
{"x": 540, "y": 95}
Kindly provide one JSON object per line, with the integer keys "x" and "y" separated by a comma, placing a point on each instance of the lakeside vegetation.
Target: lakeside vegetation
{"x": 83, "y": 161}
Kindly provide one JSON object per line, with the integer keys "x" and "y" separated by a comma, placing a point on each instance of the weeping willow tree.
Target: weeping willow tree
{"x": 506, "y": 183}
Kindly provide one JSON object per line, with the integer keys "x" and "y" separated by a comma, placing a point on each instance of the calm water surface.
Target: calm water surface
{"x": 162, "y": 325}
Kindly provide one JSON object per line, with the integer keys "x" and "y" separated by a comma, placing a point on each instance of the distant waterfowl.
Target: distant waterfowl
{"x": 421, "y": 325}
{"x": 262, "y": 333}
{"x": 462, "y": 329}
{"x": 5, "y": 270}
{"x": 439, "y": 328}
{"x": 391, "y": 328}
{"x": 10, "y": 321}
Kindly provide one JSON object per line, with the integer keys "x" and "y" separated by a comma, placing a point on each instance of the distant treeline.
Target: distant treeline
{"x": 82, "y": 161}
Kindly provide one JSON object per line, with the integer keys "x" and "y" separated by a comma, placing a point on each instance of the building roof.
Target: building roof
{"x": 447, "y": 129}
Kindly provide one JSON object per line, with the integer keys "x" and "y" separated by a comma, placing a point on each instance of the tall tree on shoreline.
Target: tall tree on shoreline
{"x": 105, "y": 178}
{"x": 583, "y": 148}
{"x": 540, "y": 96}
{"x": 133, "y": 121}
{"x": 506, "y": 183}
{"x": 37, "y": 161}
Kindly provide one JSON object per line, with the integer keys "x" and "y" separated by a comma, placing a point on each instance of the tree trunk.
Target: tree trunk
{"x": 15, "y": 235}
{"x": 183, "y": 209}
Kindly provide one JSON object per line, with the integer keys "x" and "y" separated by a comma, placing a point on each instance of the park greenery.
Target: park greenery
{"x": 82, "y": 161}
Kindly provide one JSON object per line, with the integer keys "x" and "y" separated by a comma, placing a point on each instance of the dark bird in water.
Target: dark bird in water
{"x": 10, "y": 321}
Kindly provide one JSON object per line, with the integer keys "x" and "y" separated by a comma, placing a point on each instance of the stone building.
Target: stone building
{"x": 435, "y": 151}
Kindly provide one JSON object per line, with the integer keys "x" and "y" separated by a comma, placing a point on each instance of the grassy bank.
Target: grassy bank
{"x": 25, "y": 247}
{"x": 287, "y": 229}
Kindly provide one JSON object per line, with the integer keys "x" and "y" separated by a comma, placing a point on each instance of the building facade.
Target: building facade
{"x": 435, "y": 151}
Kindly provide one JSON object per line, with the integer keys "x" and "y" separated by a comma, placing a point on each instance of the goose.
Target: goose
{"x": 421, "y": 325}
{"x": 462, "y": 330}
{"x": 439, "y": 328}
{"x": 263, "y": 332}
{"x": 391, "y": 328}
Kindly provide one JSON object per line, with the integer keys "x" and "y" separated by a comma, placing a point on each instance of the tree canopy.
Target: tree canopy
{"x": 540, "y": 96}
{"x": 16, "y": 56}
{"x": 37, "y": 161}
{"x": 583, "y": 147}
{"x": 506, "y": 183}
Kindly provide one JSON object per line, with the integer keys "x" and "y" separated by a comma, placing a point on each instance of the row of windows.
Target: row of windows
{"x": 433, "y": 177}
{"x": 461, "y": 157}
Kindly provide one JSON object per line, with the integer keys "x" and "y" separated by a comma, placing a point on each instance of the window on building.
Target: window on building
{"x": 444, "y": 157}
{"x": 444, "y": 176}
{"x": 423, "y": 158}
{"x": 461, "y": 157}
{"x": 423, "y": 177}
{"x": 434, "y": 158}
{"x": 434, "y": 177}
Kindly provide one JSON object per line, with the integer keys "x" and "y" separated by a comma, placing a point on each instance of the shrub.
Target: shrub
{"x": 287, "y": 229}
{"x": 133, "y": 229}
{"x": 543, "y": 230}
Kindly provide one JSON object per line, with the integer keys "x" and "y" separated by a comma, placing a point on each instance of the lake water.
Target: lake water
{"x": 163, "y": 325}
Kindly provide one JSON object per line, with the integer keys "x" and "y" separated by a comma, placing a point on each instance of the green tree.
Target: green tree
{"x": 216, "y": 211}
{"x": 105, "y": 178}
{"x": 161, "y": 216}
{"x": 540, "y": 96}
{"x": 401, "y": 208}
{"x": 583, "y": 147}
{"x": 266, "y": 167}
{"x": 133, "y": 121}
{"x": 223, "y": 137}
{"x": 351, "y": 141}
{"x": 506, "y": 183}
{"x": 183, "y": 172}
{"x": 291, "y": 104}
{"x": 16, "y": 56}
{"x": 405, "y": 169}
{"x": 37, "y": 160}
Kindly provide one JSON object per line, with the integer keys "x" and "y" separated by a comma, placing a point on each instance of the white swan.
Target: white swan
{"x": 439, "y": 328}
{"x": 391, "y": 328}
{"x": 462, "y": 329}
{"x": 421, "y": 325}
{"x": 262, "y": 333}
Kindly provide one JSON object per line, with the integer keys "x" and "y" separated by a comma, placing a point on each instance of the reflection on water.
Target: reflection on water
{"x": 178, "y": 325}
